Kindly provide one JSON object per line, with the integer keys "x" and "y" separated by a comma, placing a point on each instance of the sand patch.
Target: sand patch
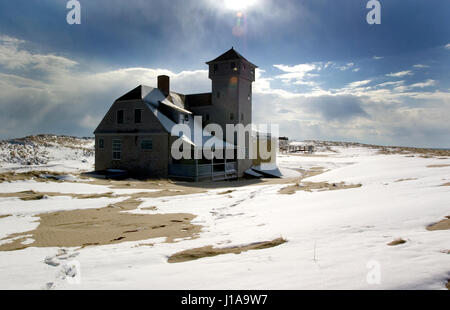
{"x": 3, "y": 216}
{"x": 33, "y": 195}
{"x": 437, "y": 166}
{"x": 81, "y": 228}
{"x": 209, "y": 251}
{"x": 313, "y": 171}
{"x": 396, "y": 242}
{"x": 408, "y": 179}
{"x": 315, "y": 186}
{"x": 152, "y": 208}
{"x": 446, "y": 184}
{"x": 441, "y": 225}
{"x": 225, "y": 192}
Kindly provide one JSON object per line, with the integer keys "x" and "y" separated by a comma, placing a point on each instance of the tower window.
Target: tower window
{"x": 216, "y": 67}
{"x": 137, "y": 116}
{"x": 101, "y": 143}
{"x": 242, "y": 116}
{"x": 120, "y": 117}
{"x": 147, "y": 145}
{"x": 231, "y": 116}
{"x": 218, "y": 94}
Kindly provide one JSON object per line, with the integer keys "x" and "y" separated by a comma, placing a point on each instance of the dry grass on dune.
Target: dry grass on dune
{"x": 209, "y": 251}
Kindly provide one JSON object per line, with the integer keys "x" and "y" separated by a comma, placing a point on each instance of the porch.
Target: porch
{"x": 195, "y": 171}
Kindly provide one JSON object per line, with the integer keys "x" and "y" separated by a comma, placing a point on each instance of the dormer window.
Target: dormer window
{"x": 120, "y": 117}
{"x": 137, "y": 116}
{"x": 233, "y": 66}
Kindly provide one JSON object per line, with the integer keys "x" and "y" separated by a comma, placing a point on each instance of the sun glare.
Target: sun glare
{"x": 239, "y": 5}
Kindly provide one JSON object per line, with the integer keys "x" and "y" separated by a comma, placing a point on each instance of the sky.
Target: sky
{"x": 324, "y": 72}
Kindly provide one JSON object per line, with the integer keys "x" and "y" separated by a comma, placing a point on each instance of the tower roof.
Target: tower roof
{"x": 231, "y": 54}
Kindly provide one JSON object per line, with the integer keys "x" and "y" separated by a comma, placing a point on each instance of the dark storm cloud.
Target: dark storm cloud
{"x": 340, "y": 108}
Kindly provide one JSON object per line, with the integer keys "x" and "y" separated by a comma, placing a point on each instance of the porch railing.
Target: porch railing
{"x": 214, "y": 171}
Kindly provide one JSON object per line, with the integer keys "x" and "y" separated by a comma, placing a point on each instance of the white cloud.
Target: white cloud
{"x": 386, "y": 84}
{"x": 12, "y": 57}
{"x": 358, "y": 83}
{"x": 448, "y": 46}
{"x": 346, "y": 66}
{"x": 377, "y": 57}
{"x": 400, "y": 74}
{"x": 420, "y": 66}
{"x": 298, "y": 73}
{"x": 427, "y": 83}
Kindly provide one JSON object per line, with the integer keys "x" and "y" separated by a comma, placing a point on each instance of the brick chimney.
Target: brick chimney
{"x": 164, "y": 84}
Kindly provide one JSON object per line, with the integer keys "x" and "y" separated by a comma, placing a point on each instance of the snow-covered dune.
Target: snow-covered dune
{"x": 336, "y": 239}
{"x": 47, "y": 152}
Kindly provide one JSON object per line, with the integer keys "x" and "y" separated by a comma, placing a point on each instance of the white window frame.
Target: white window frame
{"x": 116, "y": 150}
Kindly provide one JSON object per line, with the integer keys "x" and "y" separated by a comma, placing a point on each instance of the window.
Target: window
{"x": 242, "y": 116}
{"x": 117, "y": 149}
{"x": 120, "y": 117}
{"x": 233, "y": 66}
{"x": 216, "y": 67}
{"x": 207, "y": 117}
{"x": 186, "y": 118}
{"x": 231, "y": 116}
{"x": 137, "y": 116}
{"x": 101, "y": 143}
{"x": 147, "y": 144}
{"x": 218, "y": 94}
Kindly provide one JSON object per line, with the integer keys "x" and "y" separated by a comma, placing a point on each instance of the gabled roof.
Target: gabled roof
{"x": 231, "y": 54}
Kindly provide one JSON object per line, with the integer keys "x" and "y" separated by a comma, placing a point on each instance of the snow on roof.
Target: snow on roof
{"x": 194, "y": 127}
{"x": 156, "y": 97}
{"x": 164, "y": 120}
{"x": 298, "y": 143}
